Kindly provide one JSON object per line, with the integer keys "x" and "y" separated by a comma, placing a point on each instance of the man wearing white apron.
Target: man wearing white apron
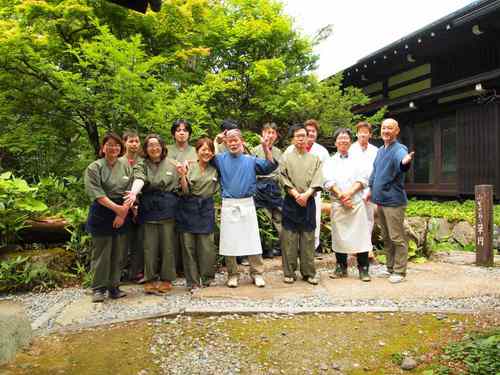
{"x": 345, "y": 177}
{"x": 367, "y": 152}
{"x": 239, "y": 230}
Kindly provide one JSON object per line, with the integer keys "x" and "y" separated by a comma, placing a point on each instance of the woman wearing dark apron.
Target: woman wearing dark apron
{"x": 196, "y": 216}
{"x": 157, "y": 177}
{"x": 106, "y": 181}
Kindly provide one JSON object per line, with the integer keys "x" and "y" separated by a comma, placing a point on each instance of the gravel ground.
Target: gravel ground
{"x": 53, "y": 303}
{"x": 194, "y": 352}
{"x": 37, "y": 304}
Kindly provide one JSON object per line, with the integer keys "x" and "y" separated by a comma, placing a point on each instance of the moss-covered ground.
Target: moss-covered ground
{"x": 369, "y": 343}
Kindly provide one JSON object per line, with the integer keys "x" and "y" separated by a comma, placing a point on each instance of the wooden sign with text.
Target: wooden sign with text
{"x": 484, "y": 225}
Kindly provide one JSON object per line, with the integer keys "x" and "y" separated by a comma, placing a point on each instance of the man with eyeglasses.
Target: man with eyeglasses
{"x": 301, "y": 178}
{"x": 345, "y": 178}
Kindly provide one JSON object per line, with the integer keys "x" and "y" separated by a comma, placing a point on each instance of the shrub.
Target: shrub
{"x": 17, "y": 204}
{"x": 61, "y": 193}
{"x": 451, "y": 210}
{"x": 19, "y": 274}
{"x": 479, "y": 353}
{"x": 80, "y": 240}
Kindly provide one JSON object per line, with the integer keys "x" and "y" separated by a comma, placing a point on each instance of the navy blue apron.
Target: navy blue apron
{"x": 195, "y": 215}
{"x": 156, "y": 205}
{"x": 268, "y": 194}
{"x": 100, "y": 220}
{"x": 297, "y": 218}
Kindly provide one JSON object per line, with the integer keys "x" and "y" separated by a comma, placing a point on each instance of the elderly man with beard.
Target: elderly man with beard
{"x": 239, "y": 231}
{"x": 345, "y": 178}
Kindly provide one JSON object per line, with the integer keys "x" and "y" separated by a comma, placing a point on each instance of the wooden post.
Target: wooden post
{"x": 484, "y": 225}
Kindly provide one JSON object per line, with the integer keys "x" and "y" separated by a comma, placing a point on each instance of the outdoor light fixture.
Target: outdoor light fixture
{"x": 374, "y": 61}
{"x": 410, "y": 58}
{"x": 448, "y": 27}
{"x": 433, "y": 34}
{"x": 406, "y": 46}
{"x": 395, "y": 52}
{"x": 479, "y": 87}
{"x": 411, "y": 105}
{"x": 419, "y": 40}
{"x": 385, "y": 57}
{"x": 476, "y": 30}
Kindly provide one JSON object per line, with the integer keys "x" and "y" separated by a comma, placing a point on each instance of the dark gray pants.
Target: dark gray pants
{"x": 198, "y": 254}
{"x": 107, "y": 253}
{"x": 159, "y": 245}
{"x": 298, "y": 245}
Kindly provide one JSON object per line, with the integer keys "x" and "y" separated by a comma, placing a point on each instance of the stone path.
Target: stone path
{"x": 430, "y": 287}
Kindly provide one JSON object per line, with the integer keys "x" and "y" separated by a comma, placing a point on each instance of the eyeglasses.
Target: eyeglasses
{"x": 154, "y": 146}
{"x": 112, "y": 145}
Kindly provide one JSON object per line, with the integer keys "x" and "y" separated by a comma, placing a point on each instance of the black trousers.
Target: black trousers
{"x": 363, "y": 261}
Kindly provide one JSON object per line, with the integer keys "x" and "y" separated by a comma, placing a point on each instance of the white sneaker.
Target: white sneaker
{"x": 259, "y": 281}
{"x": 385, "y": 273}
{"x": 313, "y": 280}
{"x": 232, "y": 282}
{"x": 396, "y": 278}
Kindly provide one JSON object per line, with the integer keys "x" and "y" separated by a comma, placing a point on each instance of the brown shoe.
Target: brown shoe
{"x": 164, "y": 286}
{"x": 151, "y": 287}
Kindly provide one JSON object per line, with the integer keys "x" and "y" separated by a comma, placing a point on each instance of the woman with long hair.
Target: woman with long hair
{"x": 196, "y": 216}
{"x": 156, "y": 176}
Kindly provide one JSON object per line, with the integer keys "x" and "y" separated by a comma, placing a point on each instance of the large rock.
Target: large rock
{"x": 441, "y": 227}
{"x": 416, "y": 229}
{"x": 56, "y": 259}
{"x": 15, "y": 330}
{"x": 463, "y": 233}
{"x": 408, "y": 364}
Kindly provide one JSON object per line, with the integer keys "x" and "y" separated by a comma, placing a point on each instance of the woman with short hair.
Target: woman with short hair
{"x": 106, "y": 181}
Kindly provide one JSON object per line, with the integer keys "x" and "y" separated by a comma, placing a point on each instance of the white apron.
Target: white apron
{"x": 317, "y": 231}
{"x": 350, "y": 229}
{"x": 239, "y": 229}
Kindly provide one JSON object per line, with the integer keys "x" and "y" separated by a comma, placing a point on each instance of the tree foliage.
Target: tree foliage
{"x": 72, "y": 69}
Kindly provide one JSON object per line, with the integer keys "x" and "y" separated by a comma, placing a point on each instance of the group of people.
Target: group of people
{"x": 153, "y": 209}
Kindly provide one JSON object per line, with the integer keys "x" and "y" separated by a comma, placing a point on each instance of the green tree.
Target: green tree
{"x": 72, "y": 69}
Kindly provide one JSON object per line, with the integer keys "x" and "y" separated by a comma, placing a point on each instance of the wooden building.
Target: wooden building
{"x": 442, "y": 84}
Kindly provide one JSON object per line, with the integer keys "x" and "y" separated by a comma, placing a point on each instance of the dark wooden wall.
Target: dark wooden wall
{"x": 480, "y": 56}
{"x": 478, "y": 147}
